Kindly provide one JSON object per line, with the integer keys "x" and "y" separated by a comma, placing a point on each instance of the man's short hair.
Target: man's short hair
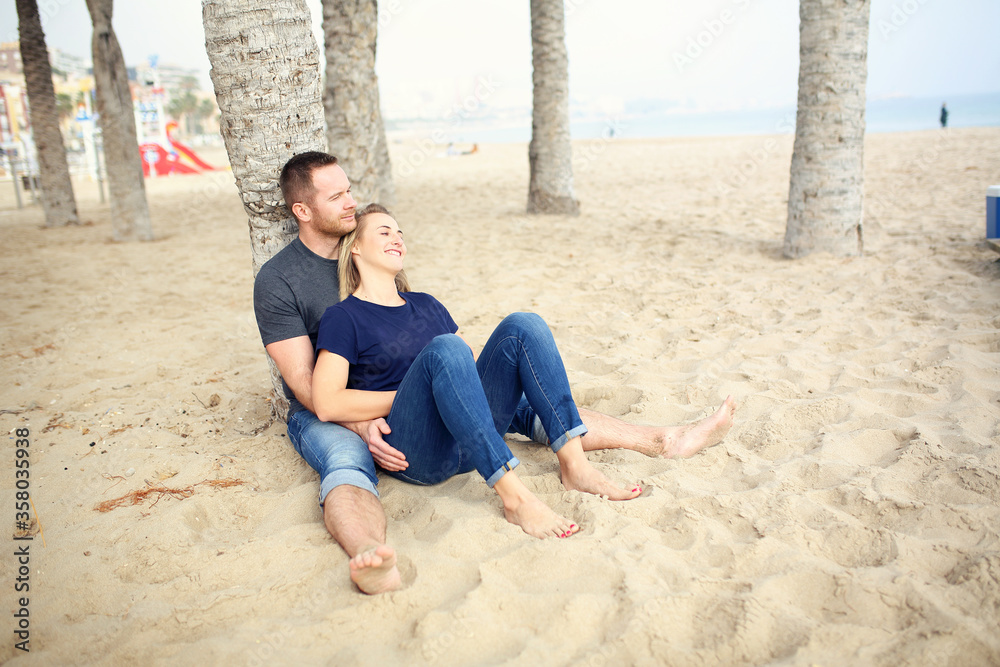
{"x": 295, "y": 180}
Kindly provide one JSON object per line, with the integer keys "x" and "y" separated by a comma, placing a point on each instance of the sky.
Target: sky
{"x": 707, "y": 55}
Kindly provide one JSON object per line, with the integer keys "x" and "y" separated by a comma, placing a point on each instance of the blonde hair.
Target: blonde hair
{"x": 347, "y": 271}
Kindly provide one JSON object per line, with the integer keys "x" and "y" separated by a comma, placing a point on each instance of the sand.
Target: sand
{"x": 850, "y": 517}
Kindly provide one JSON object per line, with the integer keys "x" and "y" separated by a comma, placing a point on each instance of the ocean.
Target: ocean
{"x": 898, "y": 114}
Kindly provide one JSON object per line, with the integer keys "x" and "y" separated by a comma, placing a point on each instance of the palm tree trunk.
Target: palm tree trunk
{"x": 58, "y": 201}
{"x": 355, "y": 132}
{"x": 265, "y": 71}
{"x": 550, "y": 154}
{"x": 826, "y": 190}
{"x": 129, "y": 209}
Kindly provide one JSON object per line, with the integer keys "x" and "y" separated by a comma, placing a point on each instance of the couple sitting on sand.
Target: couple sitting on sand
{"x": 377, "y": 374}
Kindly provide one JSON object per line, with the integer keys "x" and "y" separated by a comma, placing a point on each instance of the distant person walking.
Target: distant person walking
{"x": 944, "y": 115}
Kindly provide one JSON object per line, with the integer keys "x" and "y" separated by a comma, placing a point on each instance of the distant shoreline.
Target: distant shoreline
{"x": 897, "y": 114}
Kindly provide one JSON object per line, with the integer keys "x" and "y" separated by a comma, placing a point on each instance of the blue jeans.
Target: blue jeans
{"x": 451, "y": 411}
{"x": 338, "y": 454}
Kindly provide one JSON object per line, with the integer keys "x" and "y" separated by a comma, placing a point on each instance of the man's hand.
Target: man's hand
{"x": 384, "y": 454}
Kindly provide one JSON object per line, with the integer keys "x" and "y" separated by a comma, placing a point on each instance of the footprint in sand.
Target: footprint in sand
{"x": 435, "y": 528}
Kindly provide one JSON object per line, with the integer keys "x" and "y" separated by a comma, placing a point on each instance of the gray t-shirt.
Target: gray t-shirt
{"x": 290, "y": 294}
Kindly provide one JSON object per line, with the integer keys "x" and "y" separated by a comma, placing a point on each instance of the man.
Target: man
{"x": 291, "y": 292}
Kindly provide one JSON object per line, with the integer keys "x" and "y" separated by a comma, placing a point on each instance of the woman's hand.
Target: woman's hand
{"x": 387, "y": 456}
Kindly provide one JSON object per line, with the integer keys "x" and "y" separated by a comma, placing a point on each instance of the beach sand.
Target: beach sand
{"x": 850, "y": 517}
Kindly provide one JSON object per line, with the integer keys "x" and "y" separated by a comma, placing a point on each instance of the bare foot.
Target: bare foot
{"x": 579, "y": 475}
{"x": 374, "y": 570}
{"x": 539, "y": 520}
{"x": 688, "y": 440}
{"x": 522, "y": 508}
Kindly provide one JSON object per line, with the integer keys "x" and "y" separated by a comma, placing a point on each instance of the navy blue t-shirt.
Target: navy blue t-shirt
{"x": 381, "y": 342}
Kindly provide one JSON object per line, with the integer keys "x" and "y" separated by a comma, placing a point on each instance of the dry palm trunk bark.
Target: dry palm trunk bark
{"x": 265, "y": 70}
{"x": 58, "y": 201}
{"x": 550, "y": 154}
{"x": 355, "y": 131}
{"x": 826, "y": 190}
{"x": 129, "y": 209}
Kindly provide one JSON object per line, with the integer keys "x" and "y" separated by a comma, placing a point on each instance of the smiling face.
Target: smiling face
{"x": 376, "y": 247}
{"x": 379, "y": 244}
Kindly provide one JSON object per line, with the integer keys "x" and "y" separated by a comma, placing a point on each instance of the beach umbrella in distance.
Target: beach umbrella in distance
{"x": 58, "y": 201}
{"x": 127, "y": 189}
{"x": 550, "y": 157}
{"x": 355, "y": 131}
{"x": 266, "y": 76}
{"x": 826, "y": 189}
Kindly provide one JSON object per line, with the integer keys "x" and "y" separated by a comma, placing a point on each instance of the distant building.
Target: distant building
{"x": 12, "y": 106}
{"x": 11, "y": 70}
{"x": 64, "y": 65}
{"x": 73, "y": 80}
{"x": 166, "y": 76}
{"x": 68, "y": 65}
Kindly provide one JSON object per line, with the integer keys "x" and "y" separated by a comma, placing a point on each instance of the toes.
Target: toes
{"x": 561, "y": 526}
{"x": 569, "y": 530}
{"x": 366, "y": 560}
{"x": 622, "y": 494}
{"x": 729, "y": 406}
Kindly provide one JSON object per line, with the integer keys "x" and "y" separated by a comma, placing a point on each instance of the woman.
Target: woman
{"x": 385, "y": 351}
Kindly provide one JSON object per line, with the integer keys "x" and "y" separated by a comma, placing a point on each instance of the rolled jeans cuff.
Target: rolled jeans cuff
{"x": 558, "y": 443}
{"x": 503, "y": 470}
{"x": 342, "y": 477}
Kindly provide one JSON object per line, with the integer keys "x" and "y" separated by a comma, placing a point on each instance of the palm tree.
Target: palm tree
{"x": 826, "y": 191}
{"x": 206, "y": 108}
{"x": 58, "y": 201}
{"x": 182, "y": 106}
{"x": 550, "y": 155}
{"x": 65, "y": 106}
{"x": 265, "y": 71}
{"x": 355, "y": 132}
{"x": 129, "y": 209}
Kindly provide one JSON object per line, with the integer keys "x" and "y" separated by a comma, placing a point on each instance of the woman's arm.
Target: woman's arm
{"x": 334, "y": 402}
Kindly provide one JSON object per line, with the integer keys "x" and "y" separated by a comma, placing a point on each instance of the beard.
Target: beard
{"x": 336, "y": 226}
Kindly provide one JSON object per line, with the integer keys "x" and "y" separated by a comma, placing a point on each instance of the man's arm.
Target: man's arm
{"x": 294, "y": 359}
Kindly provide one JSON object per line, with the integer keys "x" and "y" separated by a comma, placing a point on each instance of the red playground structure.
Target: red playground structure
{"x": 174, "y": 158}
